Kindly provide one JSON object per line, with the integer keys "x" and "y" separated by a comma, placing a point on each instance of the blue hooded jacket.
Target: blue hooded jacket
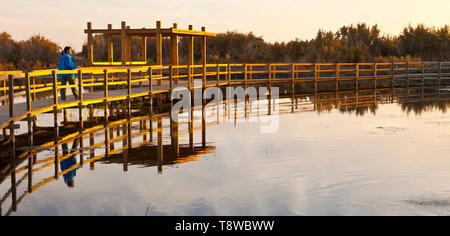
{"x": 66, "y": 164}
{"x": 66, "y": 63}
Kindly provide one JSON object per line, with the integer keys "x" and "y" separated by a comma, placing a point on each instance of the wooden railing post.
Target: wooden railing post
{"x": 189, "y": 77}
{"x": 316, "y": 85}
{"x": 150, "y": 91}
{"x": 439, "y": 80}
{"x": 28, "y": 91}
{"x": 245, "y": 75}
{"x": 160, "y": 149}
{"x": 56, "y": 122}
{"x": 393, "y": 75}
{"x": 423, "y": 80}
{"x": 171, "y": 79}
{"x": 229, "y": 74}
{"x": 129, "y": 86}
{"x": 30, "y": 132}
{"x": 11, "y": 95}
{"x": 293, "y": 79}
{"x": 55, "y": 88}
{"x": 106, "y": 94}
{"x": 34, "y": 88}
{"x": 12, "y": 142}
{"x": 13, "y": 163}
{"x": 375, "y": 74}
{"x": 218, "y": 75}
{"x": 357, "y": 76}
{"x": 270, "y": 74}
{"x": 80, "y": 94}
{"x": 337, "y": 76}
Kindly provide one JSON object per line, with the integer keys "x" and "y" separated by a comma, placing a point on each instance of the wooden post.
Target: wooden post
{"x": 315, "y": 78}
{"x": 189, "y": 78}
{"x": 81, "y": 148}
{"x": 56, "y": 121}
{"x": 110, "y": 45}
{"x": 12, "y": 138}
{"x": 28, "y": 92}
{"x": 124, "y": 43}
{"x": 407, "y": 82}
{"x": 423, "y": 80}
{"x": 150, "y": 93}
{"x": 160, "y": 147}
{"x": 204, "y": 57}
{"x": 125, "y": 146}
{"x": 159, "y": 58}
{"x": 80, "y": 104}
{"x": 129, "y": 86}
{"x": 13, "y": 163}
{"x": 439, "y": 80}
{"x": 174, "y": 52}
{"x": 11, "y": 95}
{"x": 270, "y": 75}
{"x": 337, "y": 75}
{"x": 191, "y": 48}
{"x": 245, "y": 75}
{"x": 191, "y": 124}
{"x": 55, "y": 98}
{"x": 203, "y": 124}
{"x": 229, "y": 74}
{"x": 34, "y": 88}
{"x": 92, "y": 153}
{"x": 30, "y": 131}
{"x": 218, "y": 75}
{"x": 393, "y": 75}
{"x": 129, "y": 47}
{"x": 3, "y": 92}
{"x": 144, "y": 49}
{"x": 90, "y": 44}
{"x": 130, "y": 137}
{"x": 106, "y": 140}
{"x": 174, "y": 135}
{"x": 375, "y": 76}
{"x": 293, "y": 78}
{"x": 106, "y": 94}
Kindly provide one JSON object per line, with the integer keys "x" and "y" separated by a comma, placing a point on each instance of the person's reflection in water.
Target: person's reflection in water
{"x": 68, "y": 163}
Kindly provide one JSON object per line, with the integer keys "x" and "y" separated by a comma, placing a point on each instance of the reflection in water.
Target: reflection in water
{"x": 69, "y": 165}
{"x": 140, "y": 140}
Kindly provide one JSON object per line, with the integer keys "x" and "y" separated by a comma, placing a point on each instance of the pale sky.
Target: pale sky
{"x": 274, "y": 20}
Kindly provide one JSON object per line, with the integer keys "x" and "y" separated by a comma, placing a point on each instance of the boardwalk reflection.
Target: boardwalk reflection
{"x": 139, "y": 140}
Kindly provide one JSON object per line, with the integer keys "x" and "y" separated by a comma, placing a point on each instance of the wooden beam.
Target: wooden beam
{"x": 153, "y": 32}
{"x": 174, "y": 58}
{"x": 158, "y": 48}
{"x": 90, "y": 43}
{"x": 191, "y": 48}
{"x": 144, "y": 48}
{"x": 204, "y": 57}
{"x": 128, "y": 46}
{"x": 110, "y": 45}
{"x": 124, "y": 43}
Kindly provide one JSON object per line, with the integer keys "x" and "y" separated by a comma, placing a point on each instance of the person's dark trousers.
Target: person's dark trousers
{"x": 71, "y": 81}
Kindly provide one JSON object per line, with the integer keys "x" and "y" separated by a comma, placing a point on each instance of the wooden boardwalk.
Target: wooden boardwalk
{"x": 102, "y": 85}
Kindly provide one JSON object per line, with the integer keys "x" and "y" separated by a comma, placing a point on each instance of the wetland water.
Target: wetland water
{"x": 373, "y": 152}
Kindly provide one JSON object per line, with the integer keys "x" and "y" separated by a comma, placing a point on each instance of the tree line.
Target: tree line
{"x": 353, "y": 43}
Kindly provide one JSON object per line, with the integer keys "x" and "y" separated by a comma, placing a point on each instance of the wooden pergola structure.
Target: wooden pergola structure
{"x": 126, "y": 33}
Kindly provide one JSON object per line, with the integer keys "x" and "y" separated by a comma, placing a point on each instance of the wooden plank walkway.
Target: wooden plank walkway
{"x": 98, "y": 97}
{"x": 210, "y": 74}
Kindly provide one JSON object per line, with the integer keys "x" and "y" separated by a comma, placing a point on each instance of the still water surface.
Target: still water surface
{"x": 390, "y": 161}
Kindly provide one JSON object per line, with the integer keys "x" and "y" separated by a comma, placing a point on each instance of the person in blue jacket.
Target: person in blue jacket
{"x": 69, "y": 177}
{"x": 66, "y": 63}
